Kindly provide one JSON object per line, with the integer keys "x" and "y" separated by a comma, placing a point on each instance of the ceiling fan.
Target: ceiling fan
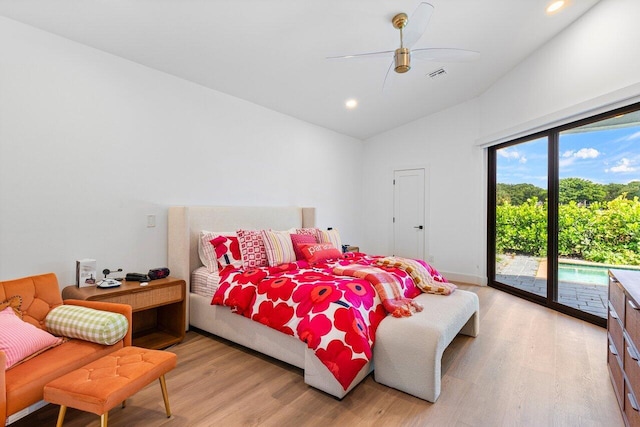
{"x": 411, "y": 29}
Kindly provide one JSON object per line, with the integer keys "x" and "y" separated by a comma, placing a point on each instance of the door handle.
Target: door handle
{"x": 419, "y": 227}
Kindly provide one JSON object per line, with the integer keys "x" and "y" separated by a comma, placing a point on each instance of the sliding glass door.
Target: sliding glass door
{"x": 521, "y": 216}
{"x": 563, "y": 208}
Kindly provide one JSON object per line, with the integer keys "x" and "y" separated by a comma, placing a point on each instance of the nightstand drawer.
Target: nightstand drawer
{"x": 152, "y": 297}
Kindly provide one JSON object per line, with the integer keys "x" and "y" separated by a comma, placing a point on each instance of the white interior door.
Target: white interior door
{"x": 408, "y": 213}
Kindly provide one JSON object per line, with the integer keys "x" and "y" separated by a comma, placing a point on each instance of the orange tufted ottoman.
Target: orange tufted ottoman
{"x": 106, "y": 382}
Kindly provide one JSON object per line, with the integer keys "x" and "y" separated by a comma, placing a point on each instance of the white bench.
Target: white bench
{"x": 408, "y": 351}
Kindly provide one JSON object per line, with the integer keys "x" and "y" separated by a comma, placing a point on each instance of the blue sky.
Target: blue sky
{"x": 605, "y": 156}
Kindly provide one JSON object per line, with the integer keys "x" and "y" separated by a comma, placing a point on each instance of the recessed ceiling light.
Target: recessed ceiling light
{"x": 555, "y": 6}
{"x": 351, "y": 104}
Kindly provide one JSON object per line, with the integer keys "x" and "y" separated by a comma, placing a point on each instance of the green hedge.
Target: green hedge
{"x": 607, "y": 232}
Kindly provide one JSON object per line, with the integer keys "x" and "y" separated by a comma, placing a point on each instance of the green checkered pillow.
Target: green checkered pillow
{"x": 72, "y": 321}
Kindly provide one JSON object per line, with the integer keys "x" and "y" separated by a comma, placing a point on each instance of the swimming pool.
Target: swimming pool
{"x": 593, "y": 275}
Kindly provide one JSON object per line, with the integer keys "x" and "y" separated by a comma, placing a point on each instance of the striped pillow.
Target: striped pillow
{"x": 330, "y": 236}
{"x": 278, "y": 246}
{"x": 207, "y": 251}
{"x": 72, "y": 321}
{"x": 20, "y": 340}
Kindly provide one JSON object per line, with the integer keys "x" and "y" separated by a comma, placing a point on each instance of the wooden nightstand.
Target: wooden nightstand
{"x": 352, "y": 249}
{"x": 158, "y": 308}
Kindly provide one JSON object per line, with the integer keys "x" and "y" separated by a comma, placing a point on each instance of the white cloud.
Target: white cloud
{"x": 568, "y": 153}
{"x": 587, "y": 153}
{"x": 623, "y": 166}
{"x": 633, "y": 136}
{"x": 512, "y": 154}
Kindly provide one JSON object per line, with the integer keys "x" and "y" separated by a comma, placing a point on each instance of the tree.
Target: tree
{"x": 581, "y": 191}
{"x": 613, "y": 190}
{"x": 517, "y": 194}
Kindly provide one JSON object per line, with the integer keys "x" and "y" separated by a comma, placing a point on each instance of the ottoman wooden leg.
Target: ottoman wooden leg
{"x": 104, "y": 418}
{"x": 63, "y": 410}
{"x": 165, "y": 395}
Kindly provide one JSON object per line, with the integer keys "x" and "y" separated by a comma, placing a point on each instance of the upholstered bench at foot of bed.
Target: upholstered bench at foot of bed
{"x": 408, "y": 350}
{"x": 109, "y": 381}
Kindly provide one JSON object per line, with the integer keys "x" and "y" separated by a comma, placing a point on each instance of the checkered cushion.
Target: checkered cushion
{"x": 102, "y": 327}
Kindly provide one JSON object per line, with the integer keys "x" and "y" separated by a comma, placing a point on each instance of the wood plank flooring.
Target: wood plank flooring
{"x": 530, "y": 366}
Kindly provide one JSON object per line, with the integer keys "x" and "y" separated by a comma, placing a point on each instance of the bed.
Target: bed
{"x": 184, "y": 226}
{"x": 339, "y": 357}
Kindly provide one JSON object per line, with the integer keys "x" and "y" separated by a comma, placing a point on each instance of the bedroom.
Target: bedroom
{"x": 92, "y": 144}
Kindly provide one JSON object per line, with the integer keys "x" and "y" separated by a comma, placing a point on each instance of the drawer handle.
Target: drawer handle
{"x": 632, "y": 353}
{"x": 613, "y": 314}
{"x": 632, "y": 305}
{"x": 632, "y": 400}
{"x": 612, "y": 349}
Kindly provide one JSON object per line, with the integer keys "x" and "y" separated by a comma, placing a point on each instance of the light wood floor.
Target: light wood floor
{"x": 529, "y": 366}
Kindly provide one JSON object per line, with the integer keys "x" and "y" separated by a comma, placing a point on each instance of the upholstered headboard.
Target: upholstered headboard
{"x": 186, "y": 222}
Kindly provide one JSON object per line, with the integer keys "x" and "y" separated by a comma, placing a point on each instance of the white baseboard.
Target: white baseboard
{"x": 465, "y": 278}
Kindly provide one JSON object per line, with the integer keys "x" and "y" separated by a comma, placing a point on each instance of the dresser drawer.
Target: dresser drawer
{"x": 631, "y": 366}
{"x": 631, "y": 408}
{"x": 616, "y": 298}
{"x": 632, "y": 319}
{"x": 615, "y": 368}
{"x": 615, "y": 332}
{"x": 150, "y": 297}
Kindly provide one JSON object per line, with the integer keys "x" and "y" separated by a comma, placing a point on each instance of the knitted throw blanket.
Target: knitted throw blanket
{"x": 388, "y": 289}
{"x": 426, "y": 277}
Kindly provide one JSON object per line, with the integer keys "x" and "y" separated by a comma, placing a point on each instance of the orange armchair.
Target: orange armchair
{"x": 22, "y": 385}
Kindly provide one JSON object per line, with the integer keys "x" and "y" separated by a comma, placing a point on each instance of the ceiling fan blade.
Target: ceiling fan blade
{"x": 444, "y": 54}
{"x": 388, "y": 79}
{"x": 417, "y": 24}
{"x": 383, "y": 54}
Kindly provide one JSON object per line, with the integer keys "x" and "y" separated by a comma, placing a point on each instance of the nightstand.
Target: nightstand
{"x": 158, "y": 308}
{"x": 352, "y": 249}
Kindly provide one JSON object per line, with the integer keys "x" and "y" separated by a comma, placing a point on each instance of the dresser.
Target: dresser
{"x": 623, "y": 333}
{"x": 158, "y": 308}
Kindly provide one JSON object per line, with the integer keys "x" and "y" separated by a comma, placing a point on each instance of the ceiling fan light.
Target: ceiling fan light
{"x": 402, "y": 59}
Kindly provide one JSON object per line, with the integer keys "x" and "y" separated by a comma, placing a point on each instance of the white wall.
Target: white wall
{"x": 90, "y": 144}
{"x": 455, "y": 189}
{"x": 594, "y": 59}
{"x": 596, "y": 56}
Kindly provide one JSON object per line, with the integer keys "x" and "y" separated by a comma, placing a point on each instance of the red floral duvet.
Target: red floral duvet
{"x": 336, "y": 316}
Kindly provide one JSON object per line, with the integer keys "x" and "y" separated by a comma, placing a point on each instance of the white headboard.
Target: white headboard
{"x": 186, "y": 222}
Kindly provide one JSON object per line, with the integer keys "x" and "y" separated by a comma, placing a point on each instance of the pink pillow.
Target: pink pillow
{"x": 318, "y": 252}
{"x": 19, "y": 339}
{"x": 227, "y": 250}
{"x": 299, "y": 239}
{"x": 315, "y": 232}
{"x": 254, "y": 253}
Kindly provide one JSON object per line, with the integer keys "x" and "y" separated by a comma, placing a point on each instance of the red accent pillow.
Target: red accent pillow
{"x": 299, "y": 239}
{"x": 317, "y": 252}
{"x": 227, "y": 251}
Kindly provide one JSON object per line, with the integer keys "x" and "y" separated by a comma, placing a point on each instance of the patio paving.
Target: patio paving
{"x": 522, "y": 272}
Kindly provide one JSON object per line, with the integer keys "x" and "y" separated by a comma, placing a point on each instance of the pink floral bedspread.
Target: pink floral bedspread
{"x": 336, "y": 316}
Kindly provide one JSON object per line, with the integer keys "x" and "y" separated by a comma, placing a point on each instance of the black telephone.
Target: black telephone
{"x": 136, "y": 277}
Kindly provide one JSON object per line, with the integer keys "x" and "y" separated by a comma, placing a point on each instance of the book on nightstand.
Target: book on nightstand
{"x": 85, "y": 272}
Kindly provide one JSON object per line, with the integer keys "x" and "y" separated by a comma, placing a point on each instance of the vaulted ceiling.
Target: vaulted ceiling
{"x": 272, "y": 52}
